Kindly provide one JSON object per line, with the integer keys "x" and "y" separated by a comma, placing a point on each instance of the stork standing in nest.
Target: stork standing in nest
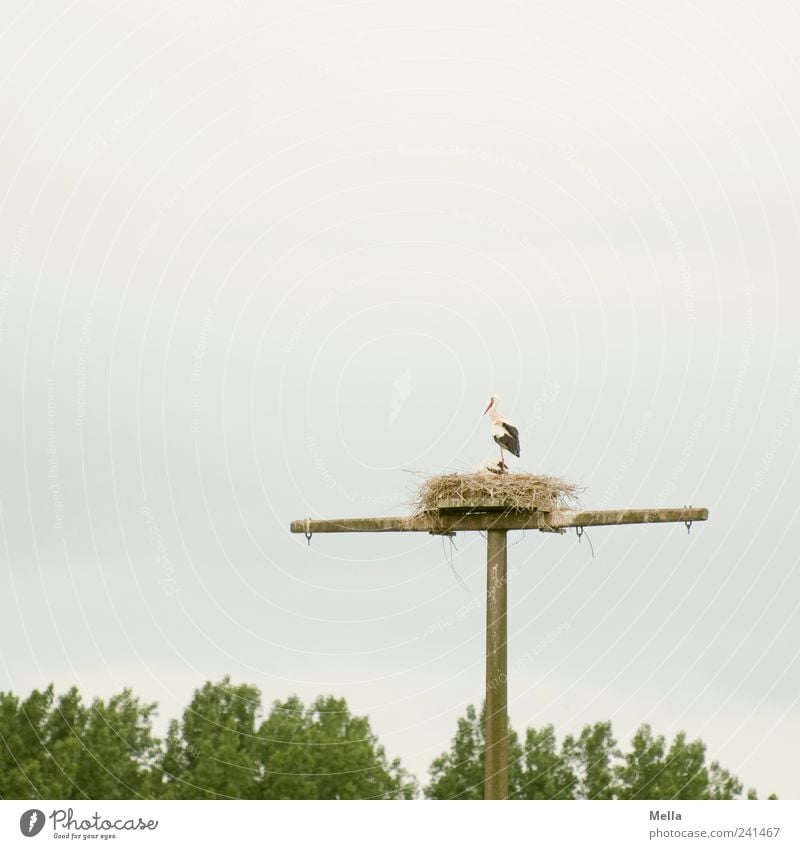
{"x": 504, "y": 433}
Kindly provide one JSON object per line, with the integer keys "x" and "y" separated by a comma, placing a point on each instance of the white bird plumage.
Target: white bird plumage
{"x": 503, "y": 432}
{"x": 491, "y": 466}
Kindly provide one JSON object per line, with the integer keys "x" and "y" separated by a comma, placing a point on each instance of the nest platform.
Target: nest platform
{"x": 486, "y": 492}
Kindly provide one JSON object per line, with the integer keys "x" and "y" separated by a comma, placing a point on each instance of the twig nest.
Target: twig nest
{"x": 517, "y": 491}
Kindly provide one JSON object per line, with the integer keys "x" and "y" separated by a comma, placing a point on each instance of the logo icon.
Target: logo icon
{"x": 31, "y": 822}
{"x": 401, "y": 391}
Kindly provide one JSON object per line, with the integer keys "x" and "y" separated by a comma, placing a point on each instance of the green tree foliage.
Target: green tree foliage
{"x": 23, "y": 756}
{"x": 650, "y": 772}
{"x": 590, "y": 757}
{"x": 547, "y": 773}
{"x": 212, "y": 753}
{"x": 60, "y": 748}
{"x": 535, "y": 771}
{"x": 685, "y": 772}
{"x": 323, "y": 752}
{"x": 458, "y": 774}
{"x": 589, "y": 766}
{"x": 223, "y": 749}
{"x": 642, "y": 774}
{"x": 723, "y": 785}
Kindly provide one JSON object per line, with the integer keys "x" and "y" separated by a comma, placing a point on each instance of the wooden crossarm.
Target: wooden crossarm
{"x": 475, "y": 520}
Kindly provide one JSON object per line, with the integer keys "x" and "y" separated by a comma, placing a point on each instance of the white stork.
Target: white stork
{"x": 492, "y": 466}
{"x": 504, "y": 433}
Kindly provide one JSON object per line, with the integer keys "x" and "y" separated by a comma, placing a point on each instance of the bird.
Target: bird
{"x": 504, "y": 433}
{"x": 491, "y": 466}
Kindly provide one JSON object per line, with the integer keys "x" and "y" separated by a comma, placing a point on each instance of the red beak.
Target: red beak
{"x": 487, "y": 409}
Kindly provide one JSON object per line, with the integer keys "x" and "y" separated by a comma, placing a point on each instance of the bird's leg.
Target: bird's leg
{"x": 503, "y": 466}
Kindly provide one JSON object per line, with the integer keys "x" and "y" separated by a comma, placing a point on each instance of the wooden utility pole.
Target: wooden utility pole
{"x": 495, "y": 783}
{"x": 496, "y": 519}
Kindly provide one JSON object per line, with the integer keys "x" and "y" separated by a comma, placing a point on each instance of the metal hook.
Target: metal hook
{"x": 579, "y": 532}
{"x": 688, "y": 522}
{"x": 308, "y": 532}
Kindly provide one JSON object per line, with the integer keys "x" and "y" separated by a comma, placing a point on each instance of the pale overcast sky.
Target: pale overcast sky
{"x": 260, "y": 259}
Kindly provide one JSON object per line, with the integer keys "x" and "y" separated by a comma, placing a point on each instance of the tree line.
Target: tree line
{"x": 225, "y": 746}
{"x": 587, "y": 766}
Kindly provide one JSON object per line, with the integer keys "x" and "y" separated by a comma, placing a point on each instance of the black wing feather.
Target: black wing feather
{"x": 510, "y": 439}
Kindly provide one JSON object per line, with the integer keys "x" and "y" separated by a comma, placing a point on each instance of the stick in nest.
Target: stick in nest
{"x": 517, "y": 491}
